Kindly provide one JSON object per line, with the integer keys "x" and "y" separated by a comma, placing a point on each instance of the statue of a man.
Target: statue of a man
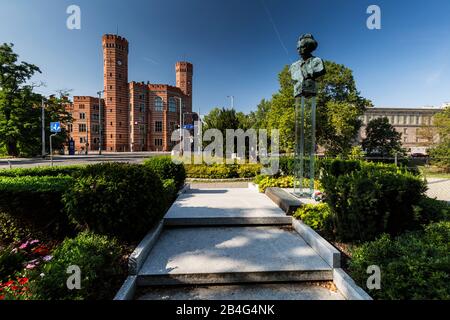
{"x": 304, "y": 72}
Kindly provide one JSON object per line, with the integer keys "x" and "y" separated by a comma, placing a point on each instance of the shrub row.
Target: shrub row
{"x": 34, "y": 203}
{"x": 222, "y": 171}
{"x": 166, "y": 169}
{"x": 41, "y": 171}
{"x": 115, "y": 199}
{"x": 265, "y": 182}
{"x": 414, "y": 265}
{"x": 319, "y": 217}
{"x": 370, "y": 199}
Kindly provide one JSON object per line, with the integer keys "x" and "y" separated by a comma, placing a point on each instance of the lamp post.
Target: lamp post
{"x": 232, "y": 101}
{"x": 43, "y": 126}
{"x": 100, "y": 126}
{"x": 181, "y": 129}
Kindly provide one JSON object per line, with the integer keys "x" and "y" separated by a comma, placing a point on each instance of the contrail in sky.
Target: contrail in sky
{"x": 275, "y": 27}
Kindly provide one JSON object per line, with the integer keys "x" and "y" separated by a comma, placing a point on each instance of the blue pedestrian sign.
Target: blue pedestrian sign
{"x": 55, "y": 127}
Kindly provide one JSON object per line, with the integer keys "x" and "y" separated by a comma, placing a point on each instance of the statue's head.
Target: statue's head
{"x": 306, "y": 45}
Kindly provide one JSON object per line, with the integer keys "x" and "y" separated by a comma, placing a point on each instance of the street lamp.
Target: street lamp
{"x": 181, "y": 119}
{"x": 232, "y": 101}
{"x": 43, "y": 126}
{"x": 100, "y": 126}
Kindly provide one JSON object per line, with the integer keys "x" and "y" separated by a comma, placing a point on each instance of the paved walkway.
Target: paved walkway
{"x": 439, "y": 188}
{"x": 229, "y": 243}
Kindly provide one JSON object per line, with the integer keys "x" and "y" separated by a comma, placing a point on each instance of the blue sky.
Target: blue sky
{"x": 239, "y": 46}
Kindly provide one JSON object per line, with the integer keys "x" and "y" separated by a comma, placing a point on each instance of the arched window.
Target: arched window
{"x": 159, "y": 105}
{"x": 172, "y": 105}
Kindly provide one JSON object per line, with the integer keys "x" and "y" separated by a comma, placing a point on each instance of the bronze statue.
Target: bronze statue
{"x": 305, "y": 71}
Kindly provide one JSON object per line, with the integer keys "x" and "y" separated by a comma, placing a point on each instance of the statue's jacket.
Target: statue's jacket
{"x": 304, "y": 74}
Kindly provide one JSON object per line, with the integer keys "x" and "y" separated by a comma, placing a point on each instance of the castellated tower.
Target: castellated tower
{"x": 115, "y": 75}
{"x": 184, "y": 73}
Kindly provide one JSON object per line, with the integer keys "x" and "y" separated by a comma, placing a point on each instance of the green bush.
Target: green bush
{"x": 34, "y": 203}
{"x": 10, "y": 263}
{"x": 12, "y": 229}
{"x": 413, "y": 266}
{"x": 170, "y": 190}
{"x": 222, "y": 171}
{"x": 249, "y": 170}
{"x": 281, "y": 182}
{"x": 98, "y": 258}
{"x": 370, "y": 199}
{"x": 117, "y": 199}
{"x": 40, "y": 171}
{"x": 432, "y": 210}
{"x": 318, "y": 217}
{"x": 165, "y": 168}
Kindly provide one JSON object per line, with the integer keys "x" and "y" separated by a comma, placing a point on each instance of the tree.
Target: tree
{"x": 20, "y": 107}
{"x": 16, "y": 99}
{"x": 382, "y": 139}
{"x": 440, "y": 153}
{"x": 258, "y": 118}
{"x": 339, "y": 106}
{"x": 222, "y": 119}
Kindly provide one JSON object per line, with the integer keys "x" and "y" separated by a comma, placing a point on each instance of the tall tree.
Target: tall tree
{"x": 440, "y": 153}
{"x": 382, "y": 139}
{"x": 20, "y": 108}
{"x": 16, "y": 98}
{"x": 339, "y": 106}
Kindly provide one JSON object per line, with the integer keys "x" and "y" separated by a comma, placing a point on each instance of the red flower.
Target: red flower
{"x": 14, "y": 288}
{"x": 22, "y": 281}
{"x": 9, "y": 283}
{"x": 2, "y": 297}
{"x": 41, "y": 250}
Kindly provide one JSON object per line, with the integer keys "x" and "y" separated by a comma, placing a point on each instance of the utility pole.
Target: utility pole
{"x": 100, "y": 126}
{"x": 43, "y": 126}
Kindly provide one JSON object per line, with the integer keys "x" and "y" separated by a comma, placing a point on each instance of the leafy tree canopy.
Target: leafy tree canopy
{"x": 382, "y": 139}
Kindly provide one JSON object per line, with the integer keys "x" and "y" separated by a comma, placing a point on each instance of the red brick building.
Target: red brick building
{"x": 136, "y": 116}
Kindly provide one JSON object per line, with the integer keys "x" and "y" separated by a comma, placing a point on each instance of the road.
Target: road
{"x": 135, "y": 157}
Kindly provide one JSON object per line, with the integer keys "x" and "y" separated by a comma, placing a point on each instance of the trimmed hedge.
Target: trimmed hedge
{"x": 165, "y": 168}
{"x": 98, "y": 258}
{"x": 318, "y": 217}
{"x": 222, "y": 171}
{"x": 41, "y": 171}
{"x": 116, "y": 199}
{"x": 370, "y": 199}
{"x": 265, "y": 182}
{"x": 413, "y": 266}
{"x": 34, "y": 203}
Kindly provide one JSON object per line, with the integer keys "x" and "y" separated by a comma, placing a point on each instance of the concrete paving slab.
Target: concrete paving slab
{"x": 223, "y": 255}
{"x": 224, "y": 206}
{"x": 282, "y": 291}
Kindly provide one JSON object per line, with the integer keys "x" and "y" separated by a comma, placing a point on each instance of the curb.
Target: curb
{"x": 137, "y": 258}
{"x": 347, "y": 286}
{"x": 128, "y": 289}
{"x": 329, "y": 253}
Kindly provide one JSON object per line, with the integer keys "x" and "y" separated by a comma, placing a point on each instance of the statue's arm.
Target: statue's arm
{"x": 318, "y": 68}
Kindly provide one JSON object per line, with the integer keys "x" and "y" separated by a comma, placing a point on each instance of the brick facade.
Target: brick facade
{"x": 138, "y": 116}
{"x": 86, "y": 125}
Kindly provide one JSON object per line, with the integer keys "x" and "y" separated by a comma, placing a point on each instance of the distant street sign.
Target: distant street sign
{"x": 55, "y": 127}
{"x": 188, "y": 126}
